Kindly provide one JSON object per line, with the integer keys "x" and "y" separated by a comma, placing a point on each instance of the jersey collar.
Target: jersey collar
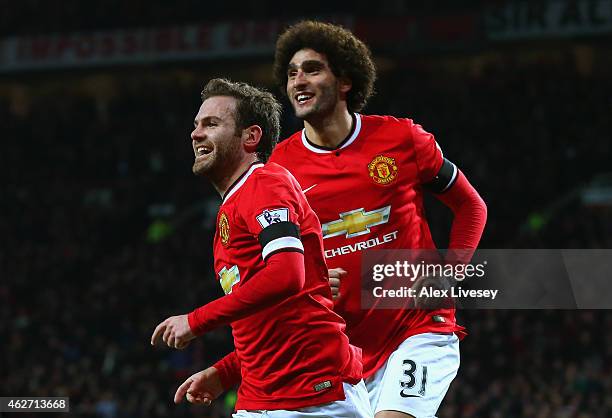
{"x": 347, "y": 141}
{"x": 237, "y": 184}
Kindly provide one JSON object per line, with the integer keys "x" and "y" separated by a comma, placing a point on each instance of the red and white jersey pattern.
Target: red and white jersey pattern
{"x": 368, "y": 194}
{"x": 293, "y": 353}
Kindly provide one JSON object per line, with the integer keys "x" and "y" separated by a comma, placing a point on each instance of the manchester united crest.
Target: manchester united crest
{"x": 224, "y": 229}
{"x": 383, "y": 169}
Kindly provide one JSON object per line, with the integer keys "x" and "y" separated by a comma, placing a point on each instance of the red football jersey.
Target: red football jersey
{"x": 367, "y": 193}
{"x": 293, "y": 353}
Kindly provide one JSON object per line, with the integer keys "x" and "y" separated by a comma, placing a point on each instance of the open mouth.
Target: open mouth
{"x": 201, "y": 150}
{"x": 303, "y": 98}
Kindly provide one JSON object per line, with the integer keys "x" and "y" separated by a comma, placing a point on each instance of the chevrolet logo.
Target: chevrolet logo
{"x": 229, "y": 278}
{"x": 356, "y": 222}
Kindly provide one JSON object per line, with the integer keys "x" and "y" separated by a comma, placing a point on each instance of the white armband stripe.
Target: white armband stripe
{"x": 280, "y": 243}
{"x": 452, "y": 180}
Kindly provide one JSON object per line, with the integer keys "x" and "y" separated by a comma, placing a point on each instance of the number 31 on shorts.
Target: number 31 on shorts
{"x": 414, "y": 380}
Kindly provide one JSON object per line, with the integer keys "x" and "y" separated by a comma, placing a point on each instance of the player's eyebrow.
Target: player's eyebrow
{"x": 206, "y": 119}
{"x": 308, "y": 64}
{"x": 315, "y": 64}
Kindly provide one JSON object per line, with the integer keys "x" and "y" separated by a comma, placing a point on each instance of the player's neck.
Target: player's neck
{"x": 225, "y": 181}
{"x": 331, "y": 130}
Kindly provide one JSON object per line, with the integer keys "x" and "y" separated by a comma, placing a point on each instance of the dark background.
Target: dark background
{"x": 105, "y": 232}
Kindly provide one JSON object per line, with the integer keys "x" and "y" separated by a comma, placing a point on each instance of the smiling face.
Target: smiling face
{"x": 215, "y": 139}
{"x": 312, "y": 87}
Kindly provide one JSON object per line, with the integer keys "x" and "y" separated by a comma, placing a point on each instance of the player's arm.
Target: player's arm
{"x": 272, "y": 216}
{"x": 452, "y": 188}
{"x": 228, "y": 369}
{"x": 282, "y": 277}
{"x": 448, "y": 184}
{"x": 335, "y": 275}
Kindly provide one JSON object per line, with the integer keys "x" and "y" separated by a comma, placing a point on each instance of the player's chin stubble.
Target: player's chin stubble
{"x": 222, "y": 160}
{"x": 200, "y": 168}
{"x": 323, "y": 104}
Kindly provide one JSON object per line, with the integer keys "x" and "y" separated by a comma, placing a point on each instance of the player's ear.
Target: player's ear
{"x": 251, "y": 137}
{"x": 344, "y": 84}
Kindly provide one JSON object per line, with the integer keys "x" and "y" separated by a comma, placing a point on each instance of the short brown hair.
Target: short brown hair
{"x": 254, "y": 107}
{"x": 347, "y": 55}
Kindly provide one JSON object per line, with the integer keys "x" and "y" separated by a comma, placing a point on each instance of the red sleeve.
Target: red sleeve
{"x": 273, "y": 214}
{"x": 470, "y": 216}
{"x": 428, "y": 153}
{"x": 229, "y": 370}
{"x": 283, "y": 276}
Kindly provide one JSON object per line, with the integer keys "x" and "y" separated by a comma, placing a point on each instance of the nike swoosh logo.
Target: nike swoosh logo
{"x": 305, "y": 190}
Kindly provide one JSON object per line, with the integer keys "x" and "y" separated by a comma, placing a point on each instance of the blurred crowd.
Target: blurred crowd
{"x": 35, "y": 17}
{"x": 106, "y": 233}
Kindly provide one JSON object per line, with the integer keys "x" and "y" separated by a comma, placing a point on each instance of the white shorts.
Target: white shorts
{"x": 355, "y": 405}
{"x": 416, "y": 376}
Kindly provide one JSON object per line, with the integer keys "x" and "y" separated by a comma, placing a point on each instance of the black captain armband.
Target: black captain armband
{"x": 280, "y": 236}
{"x": 445, "y": 178}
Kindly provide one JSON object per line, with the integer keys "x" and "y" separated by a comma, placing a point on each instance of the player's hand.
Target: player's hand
{"x": 433, "y": 283}
{"x": 174, "y": 331}
{"x": 200, "y": 388}
{"x": 334, "y": 281}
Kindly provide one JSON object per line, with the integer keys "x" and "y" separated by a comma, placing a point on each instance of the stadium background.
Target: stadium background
{"x": 105, "y": 231}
